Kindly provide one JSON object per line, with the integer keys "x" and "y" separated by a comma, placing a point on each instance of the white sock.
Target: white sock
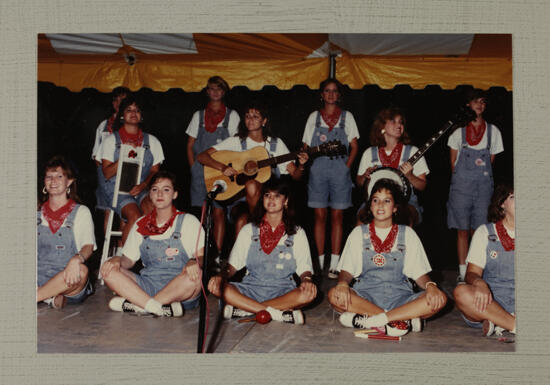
{"x": 276, "y": 315}
{"x": 153, "y": 306}
{"x": 376, "y": 320}
{"x": 321, "y": 261}
{"x": 462, "y": 270}
{"x": 513, "y": 330}
{"x": 334, "y": 258}
{"x": 118, "y": 251}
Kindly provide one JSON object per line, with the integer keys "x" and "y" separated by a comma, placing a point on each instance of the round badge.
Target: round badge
{"x": 479, "y": 162}
{"x": 288, "y": 256}
{"x": 171, "y": 251}
{"x": 379, "y": 260}
{"x": 323, "y": 138}
{"x": 366, "y": 235}
{"x": 493, "y": 254}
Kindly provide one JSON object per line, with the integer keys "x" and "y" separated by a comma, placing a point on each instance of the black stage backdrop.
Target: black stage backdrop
{"x": 67, "y": 122}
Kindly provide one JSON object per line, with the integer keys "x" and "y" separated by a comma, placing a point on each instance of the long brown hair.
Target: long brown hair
{"x": 52, "y": 164}
{"x": 376, "y": 136}
{"x": 275, "y": 185}
{"x": 495, "y": 212}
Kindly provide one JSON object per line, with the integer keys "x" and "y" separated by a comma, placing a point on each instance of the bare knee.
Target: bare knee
{"x": 320, "y": 215}
{"x": 332, "y": 296}
{"x": 462, "y": 295}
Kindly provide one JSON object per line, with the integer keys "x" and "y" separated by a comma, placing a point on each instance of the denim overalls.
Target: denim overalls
{"x": 329, "y": 179}
{"x": 101, "y": 199}
{"x": 269, "y": 275}
{"x": 55, "y": 250}
{"x": 163, "y": 260}
{"x": 413, "y": 200}
{"x": 275, "y": 172}
{"x": 499, "y": 271}
{"x": 471, "y": 186}
{"x": 382, "y": 281}
{"x": 204, "y": 141}
{"x": 109, "y": 184}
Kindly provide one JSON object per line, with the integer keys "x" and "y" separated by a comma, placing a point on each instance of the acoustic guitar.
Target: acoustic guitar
{"x": 256, "y": 164}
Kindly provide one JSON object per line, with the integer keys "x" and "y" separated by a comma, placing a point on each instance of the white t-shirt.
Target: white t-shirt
{"x": 233, "y": 143}
{"x": 419, "y": 168}
{"x": 189, "y": 230}
{"x": 83, "y": 227}
{"x": 350, "y": 127}
{"x": 100, "y": 136}
{"x": 415, "y": 264}
{"x": 455, "y": 141}
{"x": 237, "y": 259}
{"x": 232, "y": 125}
{"x": 107, "y": 149}
{"x": 477, "y": 253}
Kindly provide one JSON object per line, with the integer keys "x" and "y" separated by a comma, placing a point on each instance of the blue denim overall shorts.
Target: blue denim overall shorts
{"x": 55, "y": 251}
{"x": 204, "y": 141}
{"x": 498, "y": 274}
{"x": 413, "y": 200}
{"x": 163, "y": 260}
{"x": 109, "y": 184}
{"x": 471, "y": 186}
{"x": 269, "y": 275}
{"x": 382, "y": 281}
{"x": 329, "y": 179}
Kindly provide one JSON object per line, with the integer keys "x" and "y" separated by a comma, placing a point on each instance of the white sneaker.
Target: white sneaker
{"x": 353, "y": 320}
{"x": 173, "y": 310}
{"x": 293, "y": 317}
{"x": 232, "y": 312}
{"x": 121, "y": 304}
{"x": 488, "y": 328}
{"x": 417, "y": 324}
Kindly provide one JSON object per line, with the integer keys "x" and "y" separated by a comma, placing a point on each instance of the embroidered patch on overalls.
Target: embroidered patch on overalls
{"x": 279, "y": 266}
{"x": 379, "y": 260}
{"x": 171, "y": 251}
{"x": 480, "y": 162}
{"x": 60, "y": 247}
{"x": 323, "y": 138}
{"x": 493, "y": 254}
{"x": 288, "y": 256}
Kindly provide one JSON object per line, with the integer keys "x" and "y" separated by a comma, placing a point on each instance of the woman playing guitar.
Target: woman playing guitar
{"x": 254, "y": 131}
{"x": 391, "y": 149}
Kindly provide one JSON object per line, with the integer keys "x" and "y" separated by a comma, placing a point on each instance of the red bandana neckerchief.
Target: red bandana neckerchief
{"x": 331, "y": 119}
{"x": 507, "y": 241}
{"x": 391, "y": 160}
{"x": 474, "y": 136}
{"x": 379, "y": 246}
{"x": 213, "y": 118}
{"x": 148, "y": 224}
{"x": 270, "y": 238}
{"x": 56, "y": 218}
{"x": 134, "y": 140}
{"x": 110, "y": 124}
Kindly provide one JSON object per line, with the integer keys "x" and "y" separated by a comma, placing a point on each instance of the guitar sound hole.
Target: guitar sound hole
{"x": 250, "y": 167}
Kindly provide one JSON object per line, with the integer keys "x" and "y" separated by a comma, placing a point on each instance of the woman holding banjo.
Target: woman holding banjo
{"x": 391, "y": 148}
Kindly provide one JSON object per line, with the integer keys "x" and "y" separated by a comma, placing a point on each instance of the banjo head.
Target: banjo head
{"x": 392, "y": 174}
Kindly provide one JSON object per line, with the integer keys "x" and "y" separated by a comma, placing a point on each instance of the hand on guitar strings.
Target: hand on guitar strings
{"x": 406, "y": 168}
{"x": 229, "y": 171}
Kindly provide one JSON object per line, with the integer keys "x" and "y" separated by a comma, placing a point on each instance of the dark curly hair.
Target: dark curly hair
{"x": 281, "y": 187}
{"x": 400, "y": 216}
{"x": 262, "y": 109}
{"x": 376, "y": 137}
{"x": 125, "y": 103}
{"x": 502, "y": 191}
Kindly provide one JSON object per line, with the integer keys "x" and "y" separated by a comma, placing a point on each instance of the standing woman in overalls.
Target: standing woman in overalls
{"x": 254, "y": 130}
{"x": 65, "y": 239}
{"x": 130, "y": 207}
{"x": 209, "y": 127}
{"x": 273, "y": 248}
{"x": 391, "y": 148}
{"x": 472, "y": 152}
{"x": 488, "y": 299}
{"x": 329, "y": 179}
{"x": 170, "y": 245}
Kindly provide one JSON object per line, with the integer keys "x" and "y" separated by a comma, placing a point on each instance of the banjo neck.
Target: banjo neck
{"x": 422, "y": 150}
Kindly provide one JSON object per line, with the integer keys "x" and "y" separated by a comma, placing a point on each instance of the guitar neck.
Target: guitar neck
{"x": 420, "y": 153}
{"x": 286, "y": 157}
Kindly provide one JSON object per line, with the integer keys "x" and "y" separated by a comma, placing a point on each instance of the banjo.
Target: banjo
{"x": 463, "y": 117}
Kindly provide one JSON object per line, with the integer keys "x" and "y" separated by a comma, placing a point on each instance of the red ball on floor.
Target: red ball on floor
{"x": 263, "y": 317}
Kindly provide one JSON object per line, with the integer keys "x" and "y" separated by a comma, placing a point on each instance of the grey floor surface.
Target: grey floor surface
{"x": 92, "y": 328}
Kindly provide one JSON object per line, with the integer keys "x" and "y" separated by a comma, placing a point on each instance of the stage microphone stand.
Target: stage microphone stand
{"x": 205, "y": 276}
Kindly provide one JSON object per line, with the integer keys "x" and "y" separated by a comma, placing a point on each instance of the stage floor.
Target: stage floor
{"x": 92, "y": 328}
